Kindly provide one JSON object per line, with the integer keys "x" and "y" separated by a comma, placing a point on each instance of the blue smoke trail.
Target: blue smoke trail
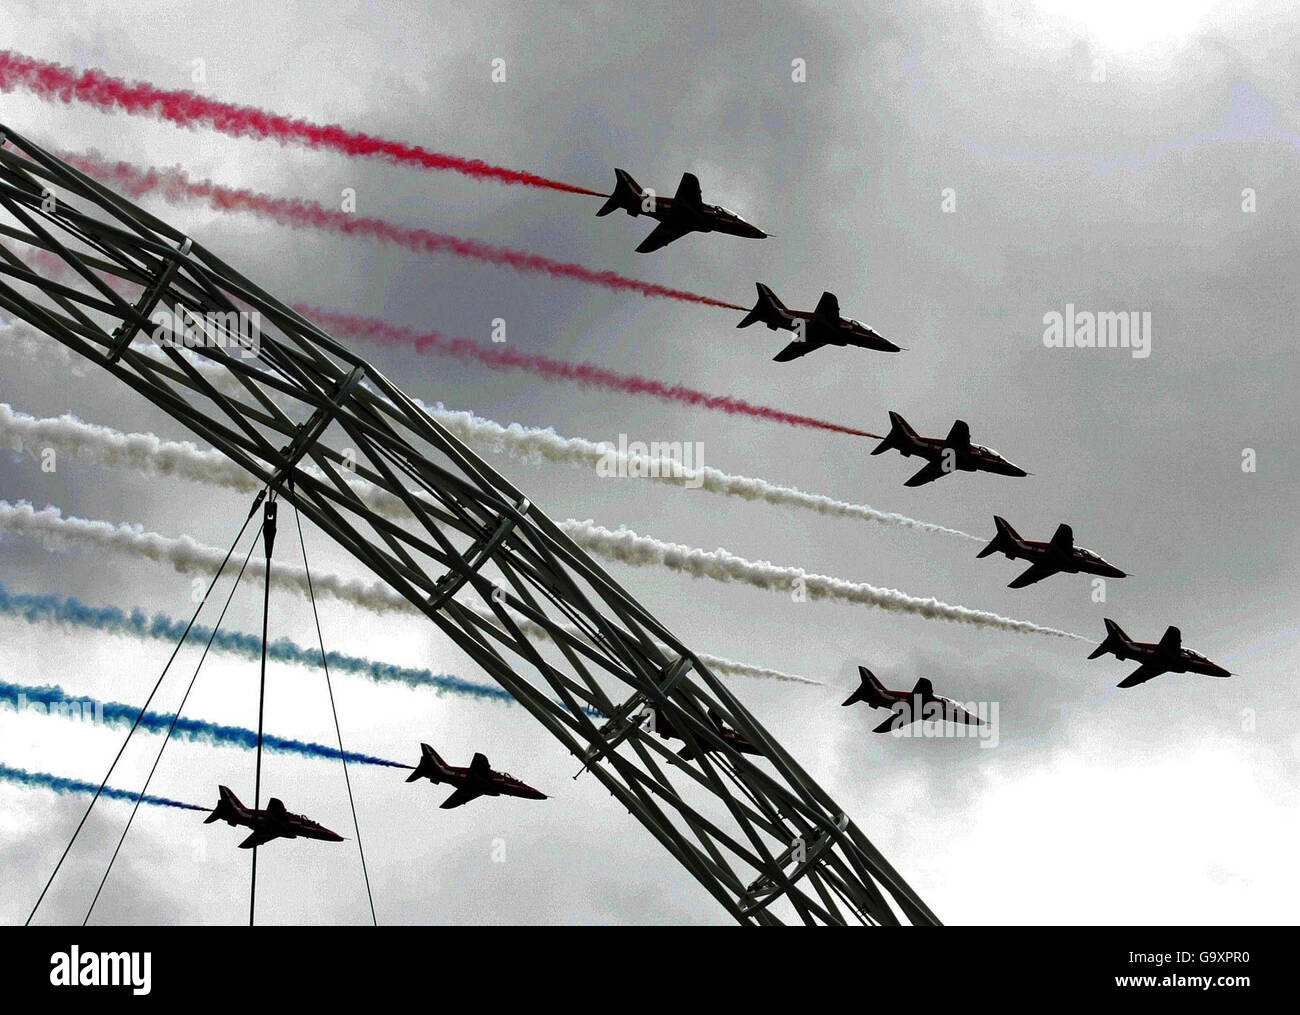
{"x": 43, "y": 780}
{"x": 54, "y": 701}
{"x": 70, "y": 610}
{"x": 48, "y": 608}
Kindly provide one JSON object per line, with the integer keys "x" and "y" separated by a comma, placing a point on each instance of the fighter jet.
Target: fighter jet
{"x": 272, "y": 823}
{"x": 1166, "y": 656}
{"x": 954, "y": 453}
{"x": 471, "y": 783}
{"x": 663, "y": 726}
{"x": 906, "y": 707}
{"x": 813, "y": 328}
{"x": 684, "y": 212}
{"x": 1058, "y": 555}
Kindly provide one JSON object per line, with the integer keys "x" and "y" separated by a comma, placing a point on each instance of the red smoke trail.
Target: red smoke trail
{"x": 174, "y": 186}
{"x": 383, "y": 333}
{"x": 188, "y": 109}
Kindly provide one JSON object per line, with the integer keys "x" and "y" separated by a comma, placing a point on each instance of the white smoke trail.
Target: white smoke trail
{"x": 534, "y": 445}
{"x": 640, "y": 551}
{"x": 188, "y": 556}
{"x": 67, "y": 434}
{"x": 150, "y": 453}
{"x": 185, "y": 554}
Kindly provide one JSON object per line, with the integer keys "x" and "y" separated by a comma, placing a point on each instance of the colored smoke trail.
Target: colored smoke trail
{"x": 70, "y": 611}
{"x": 55, "y": 82}
{"x": 60, "y": 784}
{"x": 496, "y": 357}
{"x": 532, "y": 444}
{"x": 53, "y": 700}
{"x": 587, "y": 374}
{"x": 187, "y": 555}
{"x": 148, "y": 453}
{"x": 721, "y": 565}
{"x": 175, "y": 186}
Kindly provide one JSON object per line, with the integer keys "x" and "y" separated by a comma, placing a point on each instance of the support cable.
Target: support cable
{"x": 337, "y": 731}
{"x": 171, "y": 729}
{"x": 135, "y": 725}
{"x": 268, "y": 537}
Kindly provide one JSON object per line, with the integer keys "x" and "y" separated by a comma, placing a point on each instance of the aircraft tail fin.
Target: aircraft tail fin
{"x": 627, "y": 195}
{"x": 431, "y": 766}
{"x": 227, "y": 809}
{"x": 1115, "y": 639}
{"x": 872, "y": 691}
{"x": 900, "y": 436}
{"x": 1005, "y": 541}
{"x": 768, "y": 310}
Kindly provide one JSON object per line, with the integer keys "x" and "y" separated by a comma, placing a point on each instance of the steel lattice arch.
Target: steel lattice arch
{"x": 475, "y": 557}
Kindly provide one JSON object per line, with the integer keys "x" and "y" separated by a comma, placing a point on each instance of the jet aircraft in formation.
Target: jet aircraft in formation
{"x": 479, "y": 779}
{"x": 275, "y": 822}
{"x": 662, "y": 725}
{"x": 1057, "y": 556}
{"x": 954, "y": 453}
{"x": 907, "y": 707}
{"x": 1165, "y": 656}
{"x": 813, "y": 329}
{"x": 684, "y": 212}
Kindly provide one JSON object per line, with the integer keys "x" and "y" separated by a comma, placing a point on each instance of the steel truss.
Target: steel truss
{"x": 549, "y": 625}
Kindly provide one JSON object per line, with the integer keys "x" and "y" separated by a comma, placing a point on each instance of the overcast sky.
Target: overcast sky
{"x": 1098, "y": 154}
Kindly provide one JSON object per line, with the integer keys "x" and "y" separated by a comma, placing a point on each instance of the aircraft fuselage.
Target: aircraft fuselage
{"x": 1183, "y": 661}
{"x": 972, "y": 458}
{"x": 493, "y": 784}
{"x": 271, "y": 822}
{"x": 1077, "y": 561}
{"x": 705, "y": 218}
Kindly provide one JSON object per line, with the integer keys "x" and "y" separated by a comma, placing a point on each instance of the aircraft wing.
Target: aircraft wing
{"x": 799, "y": 347}
{"x": 1141, "y": 675}
{"x": 932, "y": 471}
{"x": 662, "y": 235}
{"x": 258, "y": 838}
{"x": 896, "y": 721}
{"x": 1035, "y": 573}
{"x": 462, "y": 796}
